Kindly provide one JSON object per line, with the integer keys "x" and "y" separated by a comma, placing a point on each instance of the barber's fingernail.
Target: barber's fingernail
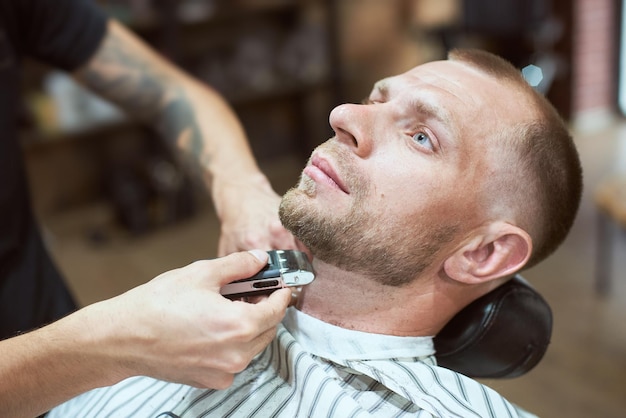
{"x": 259, "y": 254}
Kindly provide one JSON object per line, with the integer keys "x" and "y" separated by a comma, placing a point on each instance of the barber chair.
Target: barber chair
{"x": 503, "y": 334}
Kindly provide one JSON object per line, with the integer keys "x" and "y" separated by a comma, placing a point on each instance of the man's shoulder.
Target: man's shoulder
{"x": 458, "y": 393}
{"x": 441, "y": 392}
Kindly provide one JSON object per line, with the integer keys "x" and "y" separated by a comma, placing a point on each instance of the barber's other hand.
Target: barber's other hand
{"x": 248, "y": 213}
{"x": 178, "y": 327}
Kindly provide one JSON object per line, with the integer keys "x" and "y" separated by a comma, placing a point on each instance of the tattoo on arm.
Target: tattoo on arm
{"x": 137, "y": 87}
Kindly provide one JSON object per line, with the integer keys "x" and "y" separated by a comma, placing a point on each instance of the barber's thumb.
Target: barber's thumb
{"x": 240, "y": 265}
{"x": 260, "y": 255}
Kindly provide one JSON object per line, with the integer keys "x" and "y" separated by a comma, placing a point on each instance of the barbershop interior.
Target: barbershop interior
{"x": 117, "y": 209}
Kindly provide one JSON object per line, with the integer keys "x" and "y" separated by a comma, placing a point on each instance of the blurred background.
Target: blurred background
{"x": 125, "y": 212}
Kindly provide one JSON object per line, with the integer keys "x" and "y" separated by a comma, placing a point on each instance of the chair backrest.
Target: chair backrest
{"x": 503, "y": 334}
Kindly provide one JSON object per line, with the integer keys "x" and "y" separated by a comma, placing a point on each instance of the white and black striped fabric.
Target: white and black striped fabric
{"x": 311, "y": 369}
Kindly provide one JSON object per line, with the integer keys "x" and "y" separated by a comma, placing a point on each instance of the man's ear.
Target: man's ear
{"x": 496, "y": 250}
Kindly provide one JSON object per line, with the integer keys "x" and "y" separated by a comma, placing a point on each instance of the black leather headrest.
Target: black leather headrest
{"x": 503, "y": 334}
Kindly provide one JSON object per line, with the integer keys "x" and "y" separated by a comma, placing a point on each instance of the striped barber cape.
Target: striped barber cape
{"x": 311, "y": 369}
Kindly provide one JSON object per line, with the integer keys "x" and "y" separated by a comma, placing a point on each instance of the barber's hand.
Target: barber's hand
{"x": 178, "y": 327}
{"x": 249, "y": 219}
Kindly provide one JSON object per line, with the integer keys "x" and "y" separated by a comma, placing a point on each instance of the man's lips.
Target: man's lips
{"x": 320, "y": 170}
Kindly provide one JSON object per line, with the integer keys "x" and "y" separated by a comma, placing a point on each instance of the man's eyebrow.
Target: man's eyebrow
{"x": 431, "y": 111}
{"x": 418, "y": 105}
{"x": 437, "y": 113}
{"x": 382, "y": 87}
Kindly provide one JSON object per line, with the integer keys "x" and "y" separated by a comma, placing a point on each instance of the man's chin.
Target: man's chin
{"x": 306, "y": 186}
{"x": 291, "y": 208}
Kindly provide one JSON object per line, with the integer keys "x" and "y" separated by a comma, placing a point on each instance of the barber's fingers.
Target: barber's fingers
{"x": 221, "y": 375}
{"x": 270, "y": 311}
{"x": 211, "y": 379}
{"x": 265, "y": 314}
{"x": 259, "y": 343}
{"x": 233, "y": 267}
{"x": 238, "y": 356}
{"x": 219, "y": 381}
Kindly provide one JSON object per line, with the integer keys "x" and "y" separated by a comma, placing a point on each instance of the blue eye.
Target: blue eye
{"x": 423, "y": 139}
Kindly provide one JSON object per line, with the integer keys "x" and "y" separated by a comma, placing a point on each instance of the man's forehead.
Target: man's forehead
{"x": 475, "y": 89}
{"x": 430, "y": 71}
{"x": 431, "y": 84}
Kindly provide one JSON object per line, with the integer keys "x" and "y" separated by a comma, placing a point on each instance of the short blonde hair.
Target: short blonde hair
{"x": 541, "y": 155}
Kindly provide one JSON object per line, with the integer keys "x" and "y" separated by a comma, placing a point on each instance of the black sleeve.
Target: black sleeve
{"x": 63, "y": 33}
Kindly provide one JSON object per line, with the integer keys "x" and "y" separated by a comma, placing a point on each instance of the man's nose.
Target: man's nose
{"x": 352, "y": 125}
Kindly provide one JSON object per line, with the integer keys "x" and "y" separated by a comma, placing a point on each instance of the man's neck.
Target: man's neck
{"x": 356, "y": 302}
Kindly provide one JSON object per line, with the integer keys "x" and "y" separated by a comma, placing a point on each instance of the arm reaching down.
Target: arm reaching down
{"x": 177, "y": 327}
{"x": 198, "y": 122}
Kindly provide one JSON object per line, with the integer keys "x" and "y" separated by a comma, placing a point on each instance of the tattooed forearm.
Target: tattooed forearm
{"x": 121, "y": 75}
{"x": 125, "y": 80}
{"x": 180, "y": 125}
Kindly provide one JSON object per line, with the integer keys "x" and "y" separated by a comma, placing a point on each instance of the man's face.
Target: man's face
{"x": 401, "y": 180}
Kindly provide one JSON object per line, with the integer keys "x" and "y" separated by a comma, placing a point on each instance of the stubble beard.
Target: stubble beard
{"x": 392, "y": 252}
